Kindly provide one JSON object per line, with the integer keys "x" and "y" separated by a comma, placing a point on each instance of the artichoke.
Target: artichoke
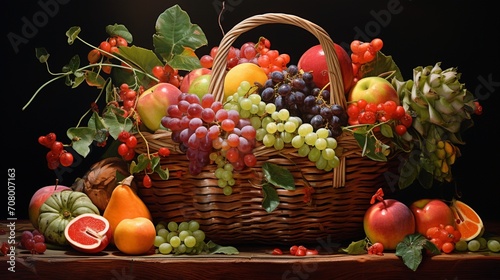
{"x": 442, "y": 108}
{"x": 442, "y": 105}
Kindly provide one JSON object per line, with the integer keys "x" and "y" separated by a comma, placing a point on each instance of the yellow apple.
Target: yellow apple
{"x": 153, "y": 103}
{"x": 373, "y": 90}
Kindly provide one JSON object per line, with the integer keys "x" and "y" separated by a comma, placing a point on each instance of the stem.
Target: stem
{"x": 121, "y": 60}
{"x": 44, "y": 85}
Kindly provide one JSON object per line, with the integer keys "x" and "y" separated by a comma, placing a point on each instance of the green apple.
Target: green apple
{"x": 153, "y": 103}
{"x": 373, "y": 90}
{"x": 188, "y": 79}
{"x": 200, "y": 85}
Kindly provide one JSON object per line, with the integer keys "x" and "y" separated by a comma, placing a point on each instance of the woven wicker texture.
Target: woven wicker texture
{"x": 340, "y": 197}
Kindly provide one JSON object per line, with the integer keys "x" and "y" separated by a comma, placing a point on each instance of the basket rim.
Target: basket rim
{"x": 216, "y": 86}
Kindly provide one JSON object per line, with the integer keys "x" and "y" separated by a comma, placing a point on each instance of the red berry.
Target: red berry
{"x": 66, "y": 159}
{"x": 301, "y": 251}
{"x": 400, "y": 129}
{"x": 277, "y": 251}
{"x": 164, "y": 152}
{"x": 146, "y": 181}
{"x": 131, "y": 142}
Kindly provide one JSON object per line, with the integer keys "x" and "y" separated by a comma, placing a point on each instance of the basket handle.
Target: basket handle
{"x": 337, "y": 96}
{"x": 216, "y": 86}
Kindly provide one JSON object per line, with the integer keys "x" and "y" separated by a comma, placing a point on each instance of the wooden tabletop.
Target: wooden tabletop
{"x": 251, "y": 263}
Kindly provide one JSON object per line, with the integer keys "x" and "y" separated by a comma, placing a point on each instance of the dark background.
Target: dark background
{"x": 416, "y": 33}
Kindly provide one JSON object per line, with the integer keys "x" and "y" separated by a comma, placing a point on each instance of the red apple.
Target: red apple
{"x": 388, "y": 222}
{"x": 313, "y": 60}
{"x": 191, "y": 76}
{"x": 153, "y": 103}
{"x": 373, "y": 90}
{"x": 39, "y": 198}
{"x": 431, "y": 213}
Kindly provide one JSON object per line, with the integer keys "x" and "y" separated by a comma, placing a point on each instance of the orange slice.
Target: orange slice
{"x": 467, "y": 220}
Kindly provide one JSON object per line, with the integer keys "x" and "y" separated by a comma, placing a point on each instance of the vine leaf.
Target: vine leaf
{"x": 175, "y": 33}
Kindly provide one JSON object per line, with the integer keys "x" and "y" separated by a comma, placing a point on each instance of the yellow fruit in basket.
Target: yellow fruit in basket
{"x": 249, "y": 72}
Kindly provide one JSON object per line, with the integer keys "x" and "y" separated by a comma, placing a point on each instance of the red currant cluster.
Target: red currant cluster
{"x": 362, "y": 53}
{"x": 167, "y": 74}
{"x": 128, "y": 97}
{"x": 297, "y": 250}
{"x": 57, "y": 155}
{"x": 444, "y": 237}
{"x": 258, "y": 53}
{"x": 362, "y": 112}
{"x": 106, "y": 48}
{"x": 127, "y": 148}
{"x": 33, "y": 241}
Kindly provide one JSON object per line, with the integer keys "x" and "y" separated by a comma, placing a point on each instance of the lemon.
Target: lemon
{"x": 247, "y": 71}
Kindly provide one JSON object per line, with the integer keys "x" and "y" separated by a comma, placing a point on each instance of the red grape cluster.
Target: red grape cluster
{"x": 202, "y": 126}
{"x": 34, "y": 241}
{"x": 258, "y": 53}
{"x": 362, "y": 112}
{"x": 362, "y": 53}
{"x": 444, "y": 237}
{"x": 57, "y": 155}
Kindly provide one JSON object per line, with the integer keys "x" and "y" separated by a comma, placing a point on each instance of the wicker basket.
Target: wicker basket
{"x": 340, "y": 197}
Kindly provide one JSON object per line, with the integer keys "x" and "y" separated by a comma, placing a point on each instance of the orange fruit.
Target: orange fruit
{"x": 467, "y": 221}
{"x": 135, "y": 236}
{"x": 247, "y": 71}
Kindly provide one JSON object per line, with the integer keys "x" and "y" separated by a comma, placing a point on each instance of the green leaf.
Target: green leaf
{"x": 119, "y": 30}
{"x": 78, "y": 80}
{"x": 381, "y": 66}
{"x": 355, "y": 248}
{"x": 94, "y": 79}
{"x": 218, "y": 249}
{"x": 42, "y": 55}
{"x": 73, "y": 65}
{"x": 185, "y": 62}
{"x": 163, "y": 173}
{"x": 82, "y": 138}
{"x": 72, "y": 33}
{"x": 271, "y": 199}
{"x": 142, "y": 163}
{"x": 408, "y": 174}
{"x": 410, "y": 249}
{"x": 368, "y": 145}
{"x": 174, "y": 33}
{"x": 386, "y": 130}
{"x": 139, "y": 58}
{"x": 114, "y": 125}
{"x": 96, "y": 122}
{"x": 278, "y": 176}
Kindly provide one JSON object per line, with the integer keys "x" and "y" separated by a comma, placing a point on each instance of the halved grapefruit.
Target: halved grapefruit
{"x": 467, "y": 220}
{"x": 88, "y": 233}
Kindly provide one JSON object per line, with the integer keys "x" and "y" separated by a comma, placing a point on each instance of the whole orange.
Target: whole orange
{"x": 247, "y": 71}
{"x": 135, "y": 236}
